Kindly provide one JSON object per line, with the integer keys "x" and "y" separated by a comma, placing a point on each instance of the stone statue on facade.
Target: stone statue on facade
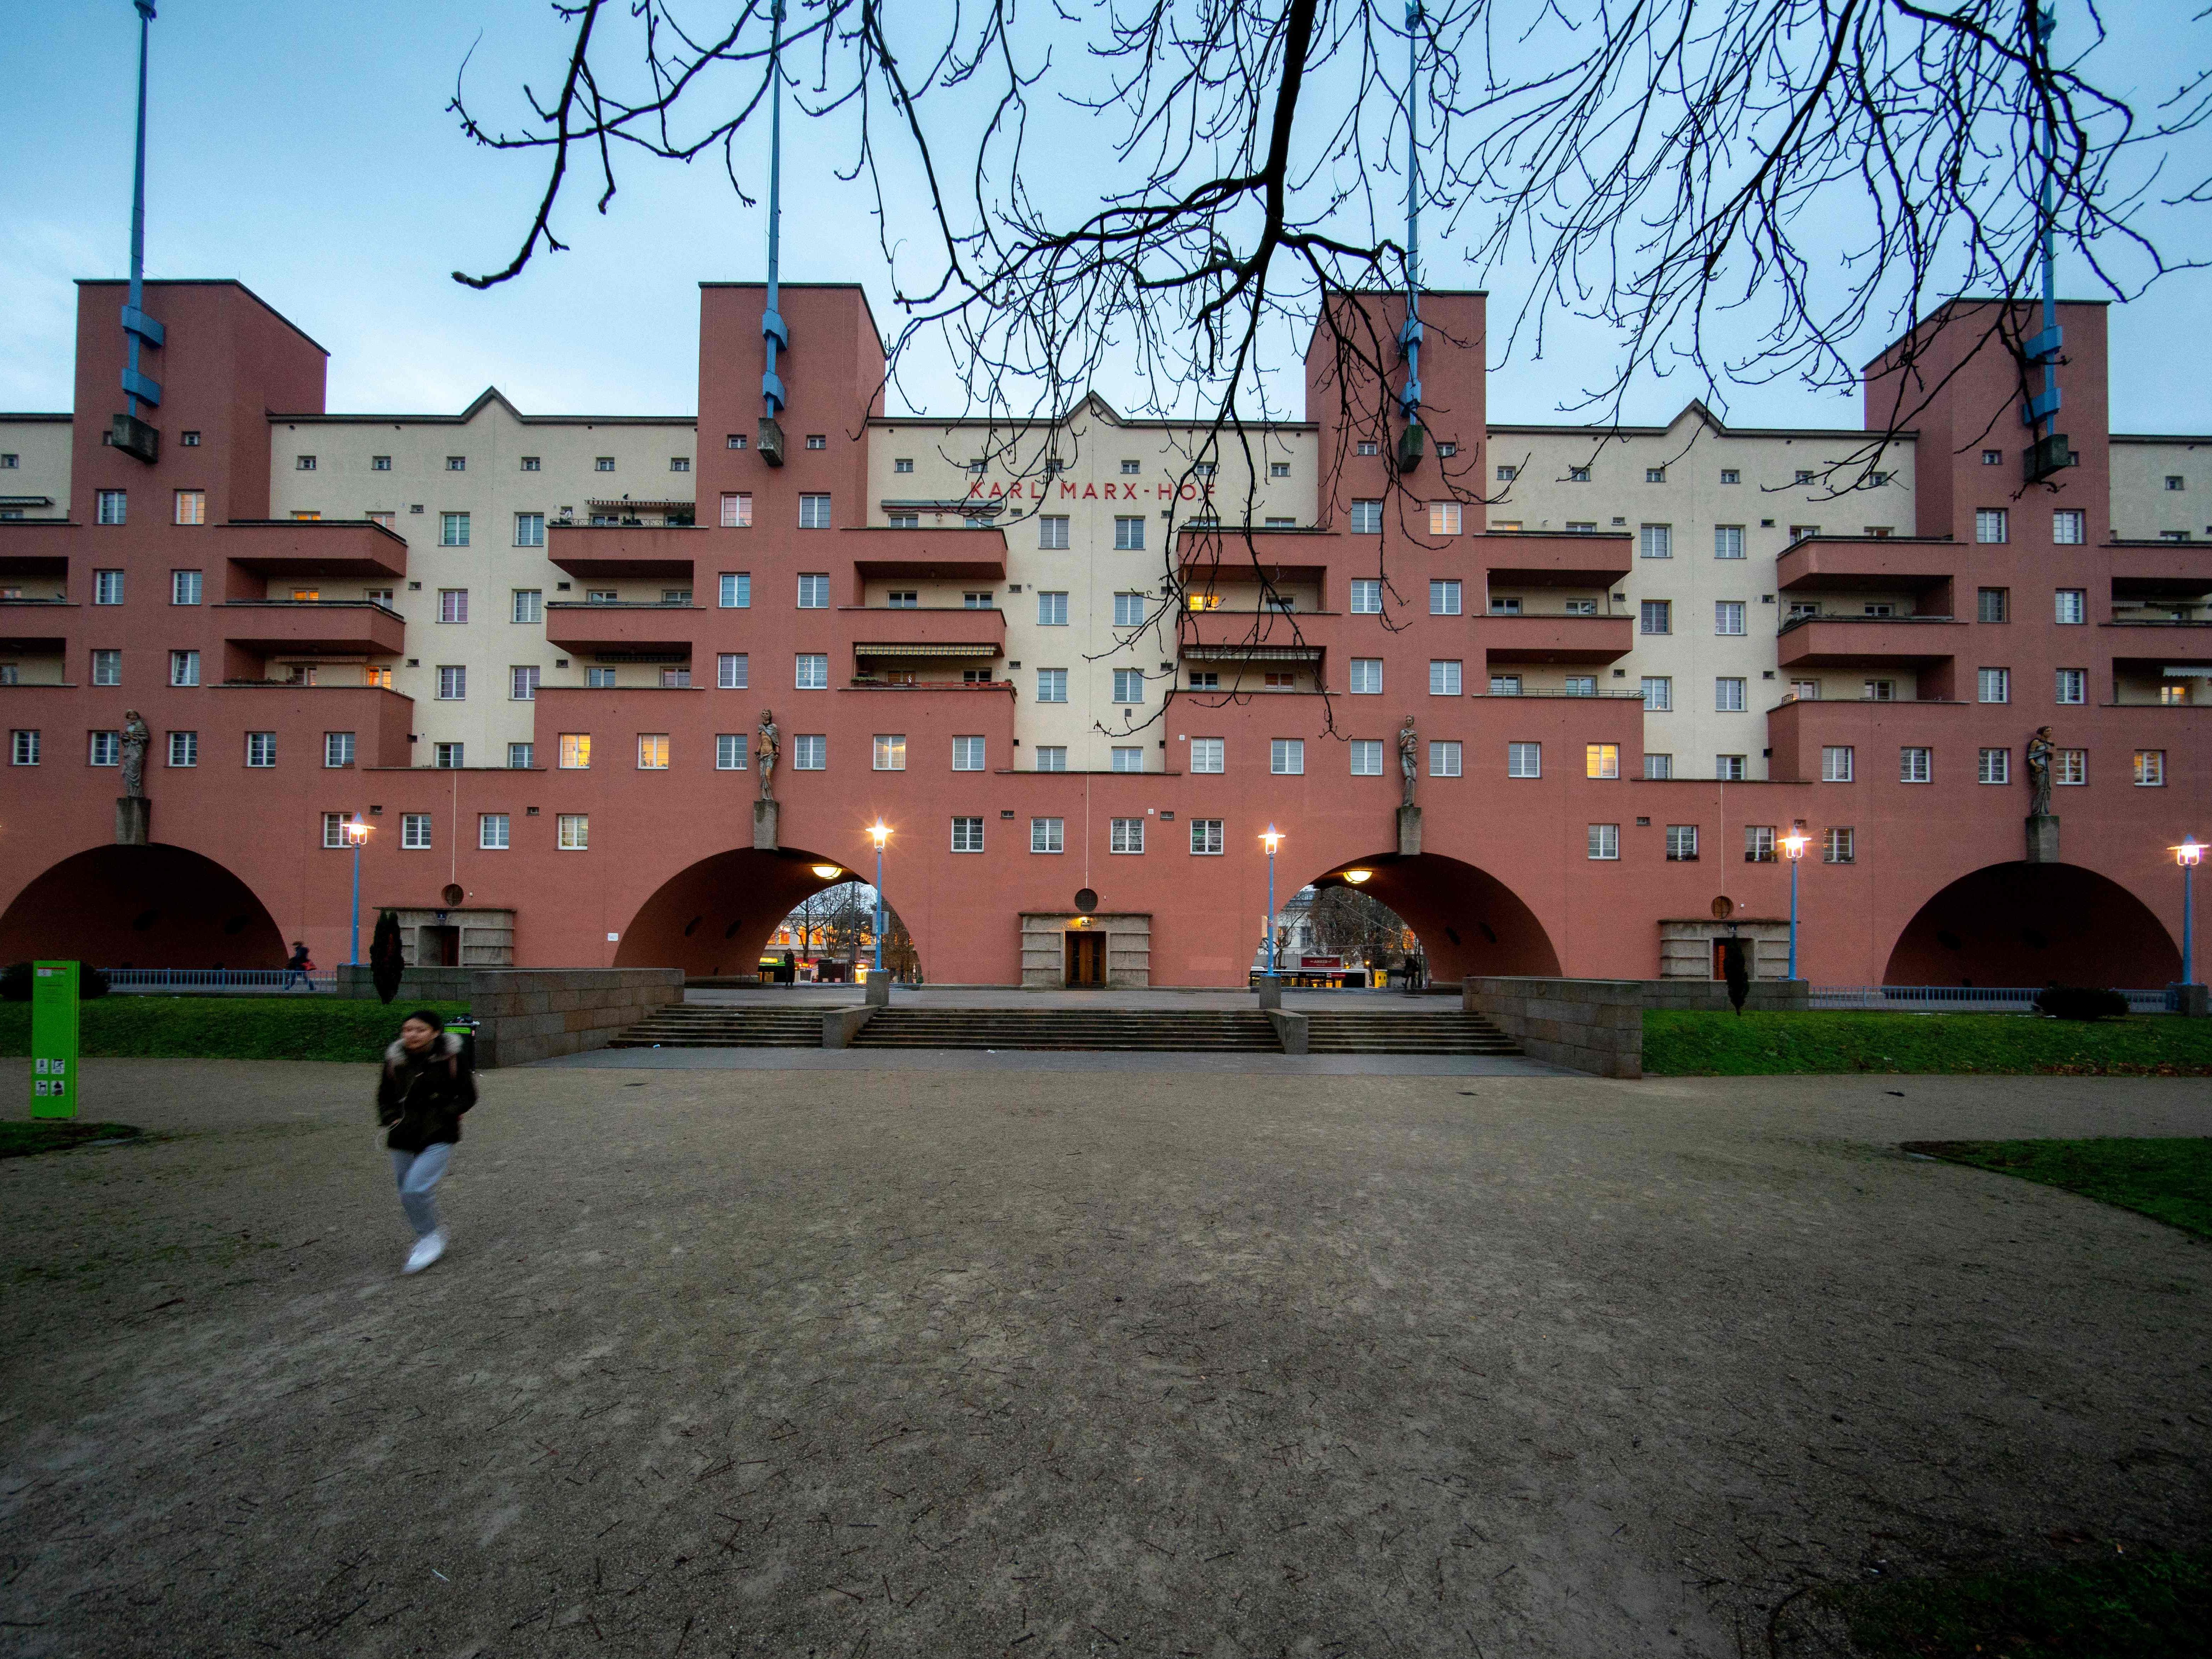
{"x": 135, "y": 737}
{"x": 768, "y": 746}
{"x": 1408, "y": 763}
{"x": 2038, "y": 773}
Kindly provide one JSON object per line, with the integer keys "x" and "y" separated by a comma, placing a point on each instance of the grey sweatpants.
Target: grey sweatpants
{"x": 417, "y": 1172}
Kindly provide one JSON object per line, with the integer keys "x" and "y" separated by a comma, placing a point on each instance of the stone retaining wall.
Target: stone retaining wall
{"x": 1597, "y": 1025}
{"x": 535, "y": 1013}
{"x": 416, "y": 985}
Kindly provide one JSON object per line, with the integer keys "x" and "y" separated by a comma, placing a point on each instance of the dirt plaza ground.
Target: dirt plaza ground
{"x": 1124, "y": 1361}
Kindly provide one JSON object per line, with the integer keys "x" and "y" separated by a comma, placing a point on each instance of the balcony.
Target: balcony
{"x": 600, "y": 552}
{"x": 2161, "y": 570}
{"x": 1866, "y": 641}
{"x": 924, "y": 631}
{"x": 356, "y": 548}
{"x": 33, "y": 626}
{"x": 348, "y": 627}
{"x": 1270, "y": 635}
{"x": 1536, "y": 558}
{"x": 39, "y": 547}
{"x": 587, "y": 629}
{"x": 1586, "y": 640}
{"x": 955, "y": 554}
{"x": 1868, "y": 564}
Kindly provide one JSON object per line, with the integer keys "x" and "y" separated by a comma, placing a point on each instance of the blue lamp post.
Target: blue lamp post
{"x": 1274, "y": 839}
{"x": 357, "y": 832}
{"x": 1793, "y": 848}
{"x": 879, "y": 832}
{"x": 2189, "y": 856}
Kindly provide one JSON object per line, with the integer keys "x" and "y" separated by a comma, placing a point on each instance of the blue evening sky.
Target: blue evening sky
{"x": 305, "y": 149}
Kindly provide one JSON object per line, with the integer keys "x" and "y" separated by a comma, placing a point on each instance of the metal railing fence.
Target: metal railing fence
{"x": 1969, "y": 999}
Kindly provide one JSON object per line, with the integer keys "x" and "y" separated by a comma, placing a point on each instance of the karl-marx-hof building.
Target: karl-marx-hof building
{"x": 619, "y": 691}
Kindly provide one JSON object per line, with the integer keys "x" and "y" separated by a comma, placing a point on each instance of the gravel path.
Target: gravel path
{"x": 955, "y": 1362}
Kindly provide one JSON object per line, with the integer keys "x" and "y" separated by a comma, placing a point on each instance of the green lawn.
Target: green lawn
{"x": 1697, "y": 1043}
{"x": 226, "y": 1028}
{"x": 2168, "y": 1179}
{"x": 2154, "y": 1604}
{"x": 20, "y": 1138}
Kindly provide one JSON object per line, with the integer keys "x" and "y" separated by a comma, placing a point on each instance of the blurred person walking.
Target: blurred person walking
{"x": 425, "y": 1085}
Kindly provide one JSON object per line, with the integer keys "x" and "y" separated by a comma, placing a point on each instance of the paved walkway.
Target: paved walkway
{"x": 1009, "y": 996}
{"x": 942, "y": 1361}
{"x": 1080, "y": 1061}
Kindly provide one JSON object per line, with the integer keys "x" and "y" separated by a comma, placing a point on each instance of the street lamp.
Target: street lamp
{"x": 879, "y": 832}
{"x": 357, "y": 832}
{"x": 2188, "y": 855}
{"x": 1274, "y": 838}
{"x": 1793, "y": 848}
{"x": 1357, "y": 877}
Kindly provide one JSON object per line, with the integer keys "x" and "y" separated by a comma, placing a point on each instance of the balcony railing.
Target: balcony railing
{"x": 346, "y": 625}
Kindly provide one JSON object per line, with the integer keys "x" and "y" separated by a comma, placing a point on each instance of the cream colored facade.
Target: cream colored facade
{"x": 2147, "y": 503}
{"x": 34, "y": 466}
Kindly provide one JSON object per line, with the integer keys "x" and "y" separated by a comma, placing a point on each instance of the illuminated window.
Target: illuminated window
{"x": 575, "y": 751}
{"x": 1602, "y": 760}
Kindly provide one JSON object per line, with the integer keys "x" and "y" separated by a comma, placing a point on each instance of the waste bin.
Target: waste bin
{"x": 465, "y": 1029}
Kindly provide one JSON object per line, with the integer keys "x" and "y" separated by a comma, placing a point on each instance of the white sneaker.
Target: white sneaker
{"x": 427, "y": 1249}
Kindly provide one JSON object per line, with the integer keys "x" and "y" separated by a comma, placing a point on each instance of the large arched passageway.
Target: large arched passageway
{"x": 715, "y": 917}
{"x": 1468, "y": 922}
{"x": 141, "y": 907}
{"x": 2032, "y": 925}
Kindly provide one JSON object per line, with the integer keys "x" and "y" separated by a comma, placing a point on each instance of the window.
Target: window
{"x": 453, "y": 605}
{"x": 1994, "y": 684}
{"x": 1128, "y": 533}
{"x": 1602, "y": 760}
{"x": 967, "y": 754}
{"x": 1989, "y": 525}
{"x": 575, "y": 751}
{"x": 736, "y": 510}
{"x": 810, "y": 753}
{"x": 1286, "y": 756}
{"x": 184, "y": 586}
{"x": 1504, "y": 685}
{"x": 1658, "y": 693}
{"x": 1367, "y": 676}
{"x": 192, "y": 506}
{"x": 813, "y": 511}
{"x": 1578, "y": 475}
{"x": 452, "y": 683}
{"x": 1581, "y": 685}
{"x": 1206, "y": 755}
{"x": 890, "y": 752}
{"x": 1605, "y": 840}
{"x": 814, "y": 592}
{"x": 1052, "y": 533}
{"x": 574, "y": 832}
{"x": 1798, "y": 532}
{"x": 1995, "y": 766}
{"x": 1052, "y": 685}
{"x": 733, "y": 671}
{"x": 22, "y": 748}
{"x": 1508, "y": 474}
{"x": 1126, "y": 758}
{"x": 1443, "y": 598}
{"x": 107, "y": 587}
{"x": 2073, "y": 686}
{"x": 599, "y": 679}
{"x": 522, "y": 681}
{"x": 1731, "y": 768}
{"x": 105, "y": 750}
{"x": 1366, "y": 757}
{"x": 1758, "y": 843}
{"x": 675, "y": 678}
{"x": 1681, "y": 843}
{"x": 1443, "y": 678}
{"x": 1052, "y": 609}
{"x": 812, "y": 671}
{"x": 1993, "y": 458}
{"x": 1445, "y": 518}
{"x": 1728, "y": 695}
{"x": 653, "y": 751}
{"x": 1365, "y": 446}
{"x": 2150, "y": 768}
{"x": 1838, "y": 846}
{"x": 1048, "y": 835}
{"x": 1524, "y": 760}
{"x": 1916, "y": 765}
{"x": 415, "y": 832}
{"x": 730, "y": 751}
{"x": 1279, "y": 469}
{"x": 2071, "y": 767}
{"x": 334, "y": 830}
{"x": 1728, "y": 616}
{"x": 1656, "y": 541}
{"x": 735, "y": 592}
{"x": 1656, "y": 615}
{"x": 1658, "y": 768}
{"x": 452, "y": 529}
{"x": 1444, "y": 758}
{"x": 108, "y": 668}
{"x": 2069, "y": 526}
{"x": 1206, "y": 837}
{"x": 1582, "y": 607}
{"x": 1051, "y": 757}
{"x": 1366, "y": 596}
{"x": 1992, "y": 604}
{"x": 522, "y": 756}
{"x": 1128, "y": 685}
{"x": 1836, "y": 763}
{"x": 526, "y": 604}
{"x": 1129, "y": 610}
{"x": 1727, "y": 541}
{"x": 376, "y": 463}
{"x": 184, "y": 749}
{"x": 183, "y": 668}
{"x": 2173, "y": 481}
{"x": 967, "y": 833}
{"x": 1126, "y": 835}
{"x": 1367, "y": 518}
{"x": 261, "y": 749}
{"x": 112, "y": 506}
{"x": 2071, "y": 605}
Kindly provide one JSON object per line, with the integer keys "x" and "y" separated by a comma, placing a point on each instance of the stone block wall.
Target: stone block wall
{"x": 1597, "y": 1025}
{"x": 536, "y": 1014}
{"x": 416, "y": 985}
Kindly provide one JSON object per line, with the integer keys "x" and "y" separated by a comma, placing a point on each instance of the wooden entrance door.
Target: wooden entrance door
{"x": 1086, "y": 960}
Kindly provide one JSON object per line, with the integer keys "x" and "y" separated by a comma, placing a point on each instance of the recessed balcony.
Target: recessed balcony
{"x": 1543, "y": 558}
{"x": 357, "y": 548}
{"x": 621, "y": 625}
{"x": 600, "y": 552}
{"x": 1221, "y": 633}
{"x": 955, "y": 553}
{"x": 35, "y": 548}
{"x": 350, "y": 627}
{"x": 887, "y": 631}
{"x": 1545, "y": 638}
{"x": 1867, "y": 564}
{"x": 1866, "y": 641}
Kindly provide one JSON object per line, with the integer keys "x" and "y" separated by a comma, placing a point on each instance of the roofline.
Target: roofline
{"x": 2110, "y": 437}
{"x": 492, "y": 394}
{"x": 1965, "y": 300}
{"x": 818, "y": 287}
{"x": 38, "y": 415}
{"x": 949, "y": 420}
{"x": 208, "y": 281}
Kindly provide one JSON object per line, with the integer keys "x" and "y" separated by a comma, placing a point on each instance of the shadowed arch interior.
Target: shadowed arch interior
{"x": 1468, "y": 921}
{"x": 2034, "y": 925}
{"x": 141, "y": 907}
{"x": 715, "y": 917}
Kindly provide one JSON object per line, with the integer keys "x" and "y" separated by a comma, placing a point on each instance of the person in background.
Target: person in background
{"x": 426, "y": 1085}
{"x": 298, "y": 966}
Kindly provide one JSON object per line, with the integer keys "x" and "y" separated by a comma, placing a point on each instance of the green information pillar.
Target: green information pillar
{"x": 53, "y": 1039}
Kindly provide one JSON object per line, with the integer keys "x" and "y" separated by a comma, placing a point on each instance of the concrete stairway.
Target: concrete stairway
{"x": 694, "y": 1025}
{"x": 1378, "y": 1032}
{"x": 1226, "y": 1031}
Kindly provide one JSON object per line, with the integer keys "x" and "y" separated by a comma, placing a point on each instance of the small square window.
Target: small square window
{"x": 1993, "y": 458}
{"x": 1654, "y": 475}
{"x": 603, "y": 464}
{"x": 1731, "y": 476}
{"x": 817, "y": 440}
{"x": 380, "y": 464}
{"x": 303, "y": 464}
{"x": 2173, "y": 481}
